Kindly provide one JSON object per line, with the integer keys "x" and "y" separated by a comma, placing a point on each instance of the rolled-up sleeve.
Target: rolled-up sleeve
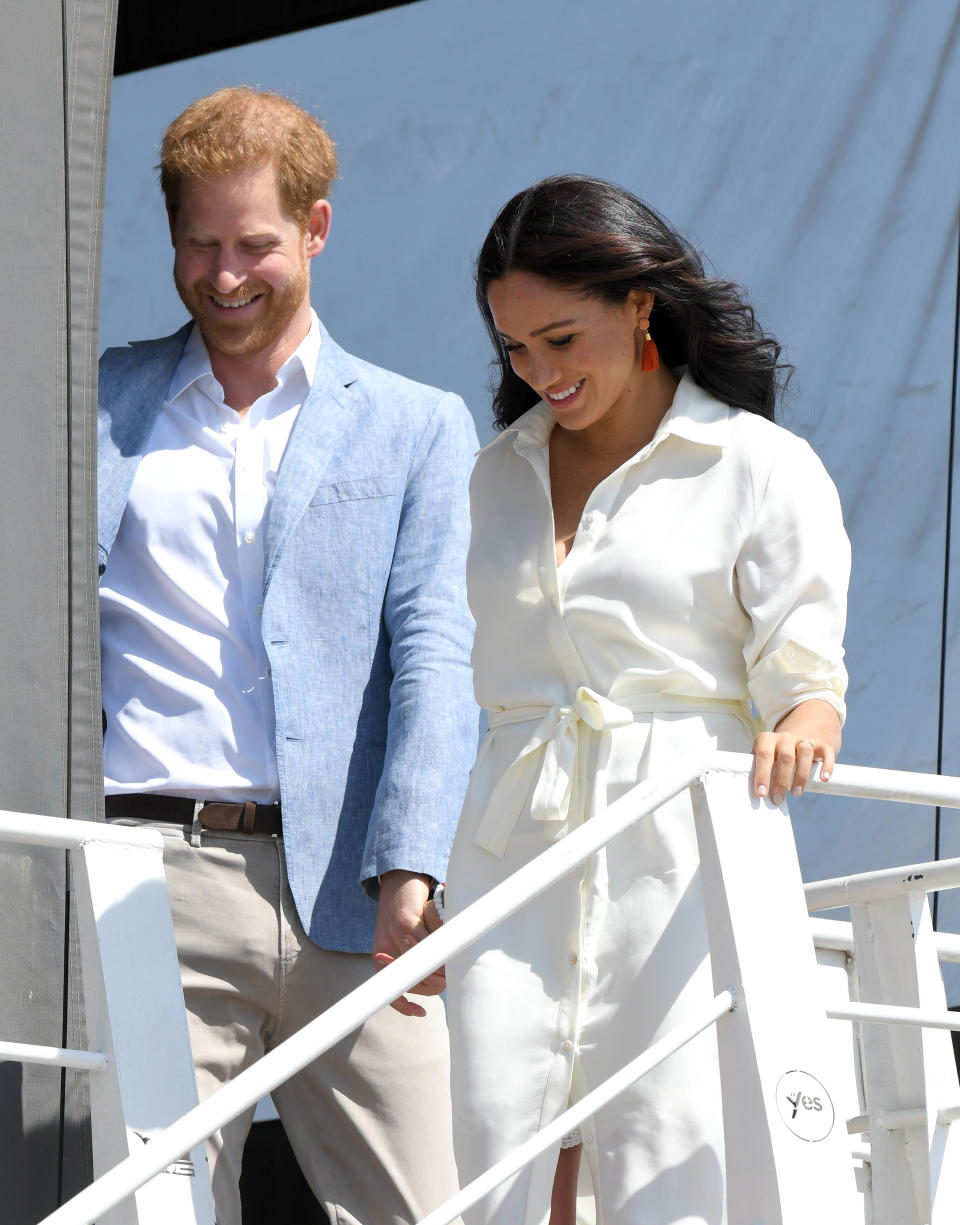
{"x": 792, "y": 576}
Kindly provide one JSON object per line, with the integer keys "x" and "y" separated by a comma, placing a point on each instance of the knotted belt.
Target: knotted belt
{"x": 556, "y": 737}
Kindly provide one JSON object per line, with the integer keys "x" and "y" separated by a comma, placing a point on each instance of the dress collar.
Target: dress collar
{"x": 695, "y": 415}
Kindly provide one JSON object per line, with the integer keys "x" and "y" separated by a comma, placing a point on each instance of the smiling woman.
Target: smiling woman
{"x": 696, "y": 321}
{"x": 656, "y": 570}
{"x": 584, "y": 355}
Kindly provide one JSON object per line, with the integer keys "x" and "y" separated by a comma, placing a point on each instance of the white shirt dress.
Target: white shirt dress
{"x": 703, "y": 597}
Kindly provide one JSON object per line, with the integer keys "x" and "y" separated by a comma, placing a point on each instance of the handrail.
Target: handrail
{"x": 872, "y": 783}
{"x": 507, "y": 897}
{"x": 377, "y": 992}
{"x": 885, "y": 882}
{"x": 32, "y": 829}
{"x": 70, "y": 834}
{"x": 836, "y": 934}
{"x": 573, "y": 1116}
{"x": 53, "y": 1056}
{"x": 893, "y": 1014}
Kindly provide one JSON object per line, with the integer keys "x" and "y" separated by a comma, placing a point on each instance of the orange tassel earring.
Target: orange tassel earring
{"x": 649, "y": 357}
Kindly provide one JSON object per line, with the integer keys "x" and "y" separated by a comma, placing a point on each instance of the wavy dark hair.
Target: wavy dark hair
{"x": 600, "y": 240}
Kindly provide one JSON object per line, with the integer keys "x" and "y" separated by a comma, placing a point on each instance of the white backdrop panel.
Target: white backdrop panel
{"x": 806, "y": 145}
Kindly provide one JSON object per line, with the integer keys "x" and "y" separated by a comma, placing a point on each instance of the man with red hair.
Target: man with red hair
{"x": 285, "y": 646}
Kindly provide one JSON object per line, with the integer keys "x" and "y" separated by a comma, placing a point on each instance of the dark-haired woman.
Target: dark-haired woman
{"x": 656, "y": 570}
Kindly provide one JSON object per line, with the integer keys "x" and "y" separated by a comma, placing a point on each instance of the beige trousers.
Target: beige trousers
{"x": 369, "y": 1120}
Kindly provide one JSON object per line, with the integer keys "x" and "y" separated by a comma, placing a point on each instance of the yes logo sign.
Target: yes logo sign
{"x": 805, "y": 1105}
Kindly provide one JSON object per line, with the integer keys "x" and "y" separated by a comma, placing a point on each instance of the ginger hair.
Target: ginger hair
{"x": 240, "y": 127}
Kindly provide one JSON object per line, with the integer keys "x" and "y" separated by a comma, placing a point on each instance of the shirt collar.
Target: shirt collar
{"x": 695, "y": 415}
{"x": 194, "y": 365}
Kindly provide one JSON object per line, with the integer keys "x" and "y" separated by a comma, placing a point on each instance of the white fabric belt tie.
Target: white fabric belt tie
{"x": 558, "y": 735}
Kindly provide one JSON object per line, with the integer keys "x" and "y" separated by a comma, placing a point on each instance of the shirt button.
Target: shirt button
{"x": 574, "y": 959}
{"x": 588, "y": 521}
{"x": 567, "y": 1047}
{"x": 249, "y": 537}
{"x": 554, "y": 600}
{"x": 258, "y": 609}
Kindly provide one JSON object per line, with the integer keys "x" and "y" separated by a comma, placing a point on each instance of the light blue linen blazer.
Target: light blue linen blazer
{"x": 365, "y": 619}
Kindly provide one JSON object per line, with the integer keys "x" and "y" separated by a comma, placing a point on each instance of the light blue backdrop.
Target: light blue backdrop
{"x": 808, "y": 145}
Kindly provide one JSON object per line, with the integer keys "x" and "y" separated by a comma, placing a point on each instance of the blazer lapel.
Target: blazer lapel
{"x": 133, "y": 385}
{"x": 325, "y": 420}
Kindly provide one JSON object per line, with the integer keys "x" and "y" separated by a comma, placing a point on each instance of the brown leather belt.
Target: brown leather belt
{"x": 248, "y": 818}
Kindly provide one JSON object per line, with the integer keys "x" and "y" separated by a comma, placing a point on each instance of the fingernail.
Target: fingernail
{"x": 824, "y": 774}
{"x": 798, "y": 790}
{"x": 761, "y": 790}
{"x": 777, "y": 798}
{"x": 407, "y": 942}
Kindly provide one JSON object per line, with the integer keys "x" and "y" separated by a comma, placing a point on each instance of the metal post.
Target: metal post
{"x": 916, "y": 1168}
{"x": 135, "y": 1015}
{"x": 788, "y": 1155}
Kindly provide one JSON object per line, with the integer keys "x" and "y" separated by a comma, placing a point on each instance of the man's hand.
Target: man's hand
{"x": 400, "y": 925}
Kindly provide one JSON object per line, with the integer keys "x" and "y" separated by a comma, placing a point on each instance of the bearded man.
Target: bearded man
{"x": 285, "y": 645}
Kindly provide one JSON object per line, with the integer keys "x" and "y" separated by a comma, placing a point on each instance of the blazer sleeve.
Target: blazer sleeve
{"x": 432, "y": 726}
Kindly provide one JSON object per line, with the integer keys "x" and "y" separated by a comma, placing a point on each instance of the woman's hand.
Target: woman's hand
{"x": 784, "y": 758}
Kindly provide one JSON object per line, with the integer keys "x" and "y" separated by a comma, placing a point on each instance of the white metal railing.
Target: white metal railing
{"x": 907, "y": 1067}
{"x": 131, "y": 988}
{"x": 836, "y": 934}
{"x": 895, "y": 1014}
{"x": 27, "y": 829}
{"x": 167, "y": 1146}
{"x": 587, "y": 1106}
{"x": 377, "y": 992}
{"x": 53, "y": 1056}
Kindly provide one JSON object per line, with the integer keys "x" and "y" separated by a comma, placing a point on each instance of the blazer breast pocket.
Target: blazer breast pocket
{"x": 343, "y": 550}
{"x": 359, "y": 489}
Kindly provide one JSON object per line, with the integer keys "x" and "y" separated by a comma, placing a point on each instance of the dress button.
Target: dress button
{"x": 588, "y": 521}
{"x": 249, "y": 537}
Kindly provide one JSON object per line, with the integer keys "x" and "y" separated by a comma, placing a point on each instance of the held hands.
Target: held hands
{"x": 403, "y": 920}
{"x": 784, "y": 758}
{"x": 431, "y": 920}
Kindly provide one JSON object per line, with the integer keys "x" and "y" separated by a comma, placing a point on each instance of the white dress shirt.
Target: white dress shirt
{"x": 712, "y": 564}
{"x": 186, "y": 686}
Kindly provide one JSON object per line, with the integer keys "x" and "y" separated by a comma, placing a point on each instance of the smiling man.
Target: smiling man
{"x": 285, "y": 646}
